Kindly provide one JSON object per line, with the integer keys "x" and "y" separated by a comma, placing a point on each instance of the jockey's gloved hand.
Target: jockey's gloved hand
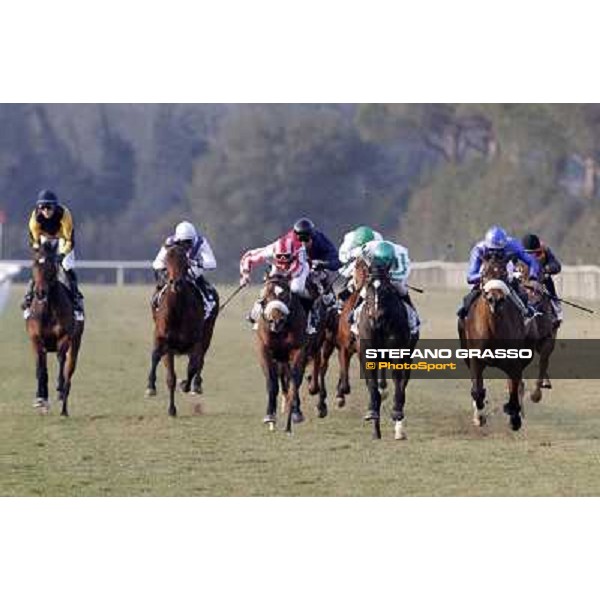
{"x": 318, "y": 265}
{"x": 245, "y": 279}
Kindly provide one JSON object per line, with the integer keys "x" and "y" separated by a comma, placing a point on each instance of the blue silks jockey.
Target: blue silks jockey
{"x": 499, "y": 244}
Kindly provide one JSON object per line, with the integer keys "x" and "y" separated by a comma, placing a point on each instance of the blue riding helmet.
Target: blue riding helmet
{"x": 496, "y": 238}
{"x": 47, "y": 198}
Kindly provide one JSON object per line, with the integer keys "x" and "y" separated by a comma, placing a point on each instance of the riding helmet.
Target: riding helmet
{"x": 496, "y": 238}
{"x": 185, "y": 231}
{"x": 304, "y": 229}
{"x": 47, "y": 197}
{"x": 363, "y": 235}
{"x": 383, "y": 255}
{"x": 531, "y": 243}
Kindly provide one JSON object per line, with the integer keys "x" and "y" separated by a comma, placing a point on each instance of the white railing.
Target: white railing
{"x": 574, "y": 281}
{"x": 119, "y": 266}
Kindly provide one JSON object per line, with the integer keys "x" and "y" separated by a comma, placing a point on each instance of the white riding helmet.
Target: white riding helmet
{"x": 185, "y": 231}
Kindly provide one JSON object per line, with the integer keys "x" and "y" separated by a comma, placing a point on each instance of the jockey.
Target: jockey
{"x": 322, "y": 256}
{"x": 498, "y": 243}
{"x": 549, "y": 265}
{"x": 352, "y": 248}
{"x": 394, "y": 259}
{"x": 201, "y": 258}
{"x": 293, "y": 255}
{"x": 53, "y": 221}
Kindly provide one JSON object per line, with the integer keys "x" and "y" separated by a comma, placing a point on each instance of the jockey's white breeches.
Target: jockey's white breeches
{"x": 68, "y": 262}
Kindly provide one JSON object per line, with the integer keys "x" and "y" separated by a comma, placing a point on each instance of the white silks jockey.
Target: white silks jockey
{"x": 287, "y": 256}
{"x": 394, "y": 257}
{"x": 201, "y": 258}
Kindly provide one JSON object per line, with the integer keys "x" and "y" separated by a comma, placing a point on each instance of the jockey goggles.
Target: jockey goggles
{"x": 284, "y": 257}
{"x": 48, "y": 206}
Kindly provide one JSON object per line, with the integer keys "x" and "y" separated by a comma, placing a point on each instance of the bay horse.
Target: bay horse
{"x": 383, "y": 321}
{"x": 493, "y": 318}
{"x": 180, "y": 328}
{"x": 52, "y": 327}
{"x": 281, "y": 343}
{"x": 542, "y": 330}
{"x": 321, "y": 343}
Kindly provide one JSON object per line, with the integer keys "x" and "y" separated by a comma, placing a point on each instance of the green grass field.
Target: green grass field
{"x": 119, "y": 443}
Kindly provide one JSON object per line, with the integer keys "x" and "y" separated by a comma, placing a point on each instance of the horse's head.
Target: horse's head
{"x": 378, "y": 293}
{"x": 494, "y": 280}
{"x": 45, "y": 269}
{"x": 276, "y": 299}
{"x": 176, "y": 262}
{"x": 361, "y": 273}
{"x": 535, "y": 292}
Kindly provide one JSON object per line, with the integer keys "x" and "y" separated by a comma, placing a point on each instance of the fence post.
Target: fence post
{"x": 120, "y": 276}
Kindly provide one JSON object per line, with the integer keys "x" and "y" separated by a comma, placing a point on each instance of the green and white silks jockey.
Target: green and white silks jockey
{"x": 394, "y": 258}
{"x": 352, "y": 248}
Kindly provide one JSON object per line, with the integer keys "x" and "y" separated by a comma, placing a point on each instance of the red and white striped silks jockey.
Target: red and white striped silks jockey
{"x": 287, "y": 255}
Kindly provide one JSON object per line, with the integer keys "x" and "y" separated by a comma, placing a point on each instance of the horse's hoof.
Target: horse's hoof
{"x": 371, "y": 416}
{"x": 64, "y": 413}
{"x": 313, "y": 391}
{"x": 399, "y": 433}
{"x": 297, "y": 417}
{"x": 547, "y": 384}
{"x": 269, "y": 419}
{"x": 322, "y": 410}
{"x": 516, "y": 422}
{"x": 341, "y": 401}
{"x": 184, "y": 386}
{"x": 150, "y": 392}
{"x": 536, "y": 396}
{"x": 172, "y": 412}
{"x": 197, "y": 390}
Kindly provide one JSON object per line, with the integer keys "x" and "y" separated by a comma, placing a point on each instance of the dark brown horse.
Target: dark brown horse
{"x": 52, "y": 327}
{"x": 383, "y": 321}
{"x": 542, "y": 330}
{"x": 180, "y": 328}
{"x": 494, "y": 318}
{"x": 281, "y": 343}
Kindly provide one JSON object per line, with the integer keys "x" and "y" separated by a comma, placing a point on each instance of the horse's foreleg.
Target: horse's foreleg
{"x": 400, "y": 383}
{"x": 195, "y": 362}
{"x": 327, "y": 350}
{"x": 296, "y": 374}
{"x": 269, "y": 368}
{"x": 69, "y": 370}
{"x": 157, "y": 354}
{"x": 41, "y": 373}
{"x": 373, "y": 414}
{"x": 477, "y": 392}
{"x": 513, "y": 407}
{"x": 61, "y": 386}
{"x": 343, "y": 386}
{"x": 169, "y": 362}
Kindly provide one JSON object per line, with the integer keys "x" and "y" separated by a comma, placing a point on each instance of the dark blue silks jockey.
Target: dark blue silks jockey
{"x": 497, "y": 243}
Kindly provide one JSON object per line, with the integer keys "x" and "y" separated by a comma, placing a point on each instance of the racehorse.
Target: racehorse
{"x": 321, "y": 343}
{"x": 542, "y": 329}
{"x": 281, "y": 342}
{"x": 344, "y": 338}
{"x": 52, "y": 327}
{"x": 493, "y": 317}
{"x": 383, "y": 321}
{"x": 180, "y": 327}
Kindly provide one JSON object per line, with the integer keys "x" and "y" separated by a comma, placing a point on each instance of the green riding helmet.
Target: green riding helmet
{"x": 363, "y": 235}
{"x": 383, "y": 255}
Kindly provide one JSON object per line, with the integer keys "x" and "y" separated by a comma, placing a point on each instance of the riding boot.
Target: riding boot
{"x": 207, "y": 295}
{"x": 522, "y": 303}
{"x": 463, "y": 311}
{"x": 76, "y": 295}
{"x": 413, "y": 316}
{"x": 255, "y": 312}
{"x": 28, "y": 297}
